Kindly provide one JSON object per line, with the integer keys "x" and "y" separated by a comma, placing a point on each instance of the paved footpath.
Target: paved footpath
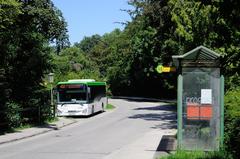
{"x": 144, "y": 148}
{"x": 30, "y": 132}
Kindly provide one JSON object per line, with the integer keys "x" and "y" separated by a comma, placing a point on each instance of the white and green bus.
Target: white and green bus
{"x": 80, "y": 97}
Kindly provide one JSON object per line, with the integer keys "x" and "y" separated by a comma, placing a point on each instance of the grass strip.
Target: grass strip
{"x": 109, "y": 107}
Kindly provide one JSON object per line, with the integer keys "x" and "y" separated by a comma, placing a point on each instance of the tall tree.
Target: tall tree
{"x": 29, "y": 26}
{"x": 151, "y": 44}
{"x": 9, "y": 11}
{"x": 213, "y": 24}
{"x": 88, "y": 43}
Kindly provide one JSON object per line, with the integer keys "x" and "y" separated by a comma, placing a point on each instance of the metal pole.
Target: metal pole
{"x": 179, "y": 108}
{"x": 222, "y": 110}
{"x": 52, "y": 104}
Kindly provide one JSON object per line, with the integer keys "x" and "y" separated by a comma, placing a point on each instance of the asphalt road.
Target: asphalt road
{"x": 96, "y": 137}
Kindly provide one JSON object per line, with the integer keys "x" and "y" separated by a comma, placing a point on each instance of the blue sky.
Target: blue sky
{"x": 89, "y": 17}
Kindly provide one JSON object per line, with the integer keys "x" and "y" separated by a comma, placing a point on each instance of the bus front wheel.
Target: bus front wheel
{"x": 103, "y": 107}
{"x": 92, "y": 110}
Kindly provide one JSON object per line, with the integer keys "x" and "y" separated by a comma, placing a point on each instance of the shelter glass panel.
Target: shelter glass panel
{"x": 201, "y": 108}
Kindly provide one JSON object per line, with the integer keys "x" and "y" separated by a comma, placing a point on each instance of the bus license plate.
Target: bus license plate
{"x": 72, "y": 112}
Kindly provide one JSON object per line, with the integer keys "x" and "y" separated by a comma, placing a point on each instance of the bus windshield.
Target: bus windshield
{"x": 72, "y": 93}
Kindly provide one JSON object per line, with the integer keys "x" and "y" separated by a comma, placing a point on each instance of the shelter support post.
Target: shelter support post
{"x": 179, "y": 105}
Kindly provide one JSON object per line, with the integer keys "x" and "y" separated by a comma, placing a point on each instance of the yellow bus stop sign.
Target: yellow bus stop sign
{"x": 161, "y": 69}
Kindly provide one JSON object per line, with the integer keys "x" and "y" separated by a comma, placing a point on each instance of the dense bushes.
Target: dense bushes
{"x": 232, "y": 121}
{"x": 12, "y": 114}
{"x": 35, "y": 111}
{"x": 199, "y": 155}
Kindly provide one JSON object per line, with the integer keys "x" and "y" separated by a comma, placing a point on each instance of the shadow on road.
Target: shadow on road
{"x": 49, "y": 126}
{"x": 165, "y": 114}
{"x": 168, "y": 120}
{"x": 85, "y": 116}
{"x": 55, "y": 127}
{"x": 141, "y": 99}
{"x": 166, "y": 107}
{"x": 155, "y": 116}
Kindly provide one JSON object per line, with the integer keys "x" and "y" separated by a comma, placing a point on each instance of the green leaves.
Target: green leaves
{"x": 26, "y": 29}
{"x": 232, "y": 121}
{"x": 9, "y": 10}
{"x": 12, "y": 114}
{"x": 73, "y": 63}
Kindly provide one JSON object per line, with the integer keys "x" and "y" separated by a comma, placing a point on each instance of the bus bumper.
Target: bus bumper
{"x": 73, "y": 113}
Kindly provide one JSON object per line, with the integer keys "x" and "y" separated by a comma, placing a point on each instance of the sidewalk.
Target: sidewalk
{"x": 145, "y": 147}
{"x": 29, "y": 132}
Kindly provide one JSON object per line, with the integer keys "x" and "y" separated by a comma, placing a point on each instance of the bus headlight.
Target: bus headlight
{"x": 59, "y": 111}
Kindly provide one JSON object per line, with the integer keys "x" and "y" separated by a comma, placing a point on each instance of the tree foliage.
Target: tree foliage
{"x": 73, "y": 63}
{"x": 27, "y": 29}
{"x": 213, "y": 24}
{"x": 232, "y": 121}
{"x": 9, "y": 11}
{"x": 159, "y": 29}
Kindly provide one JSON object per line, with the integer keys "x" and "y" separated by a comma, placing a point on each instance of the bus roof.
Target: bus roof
{"x": 89, "y": 83}
{"x": 81, "y": 80}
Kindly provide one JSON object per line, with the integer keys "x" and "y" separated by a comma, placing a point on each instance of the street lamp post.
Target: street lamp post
{"x": 51, "y": 79}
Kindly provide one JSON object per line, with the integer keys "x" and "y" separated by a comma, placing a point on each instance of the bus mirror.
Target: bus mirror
{"x": 89, "y": 92}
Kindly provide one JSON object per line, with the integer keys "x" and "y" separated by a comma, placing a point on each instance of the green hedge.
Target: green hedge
{"x": 232, "y": 122}
{"x": 12, "y": 114}
{"x": 35, "y": 111}
{"x": 181, "y": 154}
